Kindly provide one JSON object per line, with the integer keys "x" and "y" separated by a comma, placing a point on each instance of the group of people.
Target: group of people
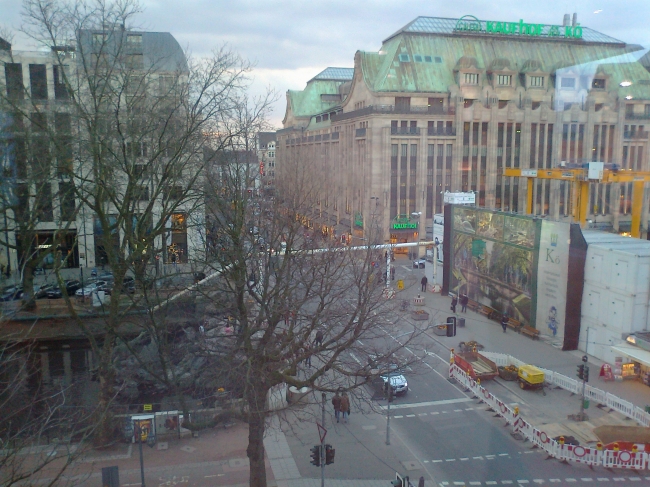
{"x": 463, "y": 303}
{"x": 341, "y": 405}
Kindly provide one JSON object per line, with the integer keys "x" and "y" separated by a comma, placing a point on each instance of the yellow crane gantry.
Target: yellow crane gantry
{"x": 580, "y": 181}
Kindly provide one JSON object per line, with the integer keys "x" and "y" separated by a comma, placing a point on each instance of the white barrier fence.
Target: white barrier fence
{"x": 575, "y": 386}
{"x": 578, "y": 454}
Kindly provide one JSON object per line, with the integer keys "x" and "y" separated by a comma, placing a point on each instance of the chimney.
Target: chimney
{"x": 575, "y": 20}
{"x": 566, "y": 20}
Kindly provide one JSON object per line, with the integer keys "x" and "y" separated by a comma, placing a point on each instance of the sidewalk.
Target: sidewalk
{"x": 542, "y": 352}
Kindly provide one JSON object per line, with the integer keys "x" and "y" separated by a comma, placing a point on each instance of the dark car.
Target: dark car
{"x": 70, "y": 287}
{"x": 41, "y": 291}
{"x": 11, "y": 293}
{"x": 128, "y": 286}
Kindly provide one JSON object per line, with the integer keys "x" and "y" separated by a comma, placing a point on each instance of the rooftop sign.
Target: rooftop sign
{"x": 469, "y": 23}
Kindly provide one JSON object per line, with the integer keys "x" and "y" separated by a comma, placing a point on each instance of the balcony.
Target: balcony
{"x": 445, "y": 132}
{"x": 360, "y": 132}
{"x": 390, "y": 110}
{"x": 405, "y": 131}
{"x": 637, "y": 116}
{"x": 635, "y": 134}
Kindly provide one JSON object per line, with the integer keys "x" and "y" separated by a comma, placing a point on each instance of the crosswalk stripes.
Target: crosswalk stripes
{"x": 524, "y": 482}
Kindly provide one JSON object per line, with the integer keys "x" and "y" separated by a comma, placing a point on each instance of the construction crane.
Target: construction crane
{"x": 580, "y": 179}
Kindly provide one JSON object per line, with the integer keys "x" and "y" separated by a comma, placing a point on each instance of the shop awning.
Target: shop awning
{"x": 635, "y": 353}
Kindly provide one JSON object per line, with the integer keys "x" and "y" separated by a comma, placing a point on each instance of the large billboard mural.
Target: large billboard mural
{"x": 497, "y": 261}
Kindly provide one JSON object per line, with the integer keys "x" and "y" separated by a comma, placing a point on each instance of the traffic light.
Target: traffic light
{"x": 586, "y": 373}
{"x": 451, "y": 326}
{"x": 315, "y": 455}
{"x": 581, "y": 371}
{"x": 329, "y": 454}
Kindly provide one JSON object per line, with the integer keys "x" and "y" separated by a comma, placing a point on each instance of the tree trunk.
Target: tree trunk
{"x": 106, "y": 374}
{"x": 256, "y": 427}
{"x": 28, "y": 302}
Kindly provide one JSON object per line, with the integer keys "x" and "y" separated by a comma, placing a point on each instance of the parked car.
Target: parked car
{"x": 70, "y": 286}
{"x": 128, "y": 286}
{"x": 40, "y": 291}
{"x": 396, "y": 380}
{"x": 90, "y": 288}
{"x": 419, "y": 263}
{"x": 11, "y": 293}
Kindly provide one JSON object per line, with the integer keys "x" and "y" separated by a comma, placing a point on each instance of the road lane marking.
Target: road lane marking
{"x": 436, "y": 412}
{"x": 554, "y": 480}
{"x": 425, "y": 461}
{"x": 587, "y": 479}
{"x": 459, "y": 483}
{"x": 450, "y": 459}
{"x": 602, "y": 479}
{"x": 538, "y": 481}
{"x": 490, "y": 482}
{"x": 570, "y": 480}
{"x": 436, "y": 461}
{"x": 506, "y": 482}
{"x": 469, "y": 409}
{"x": 430, "y": 403}
{"x": 523, "y": 481}
{"x": 504, "y": 454}
{"x": 475, "y": 483}
{"x": 477, "y": 458}
{"x": 490, "y": 457}
{"x": 423, "y": 414}
{"x": 458, "y": 410}
{"x": 410, "y": 415}
{"x": 397, "y": 417}
{"x": 619, "y": 479}
{"x": 464, "y": 459}
{"x": 634, "y": 479}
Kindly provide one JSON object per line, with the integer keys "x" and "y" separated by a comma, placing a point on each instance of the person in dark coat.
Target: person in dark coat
{"x": 318, "y": 341}
{"x": 336, "y": 402}
{"x": 424, "y": 283}
{"x": 463, "y": 303}
{"x": 454, "y": 302}
{"x": 504, "y": 321}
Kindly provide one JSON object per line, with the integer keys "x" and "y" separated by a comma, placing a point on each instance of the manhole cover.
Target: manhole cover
{"x": 188, "y": 449}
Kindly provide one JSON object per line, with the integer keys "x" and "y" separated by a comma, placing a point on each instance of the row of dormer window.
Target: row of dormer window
{"x": 533, "y": 81}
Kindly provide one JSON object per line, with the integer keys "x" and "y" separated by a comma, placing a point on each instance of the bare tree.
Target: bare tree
{"x": 136, "y": 126}
{"x": 43, "y": 430}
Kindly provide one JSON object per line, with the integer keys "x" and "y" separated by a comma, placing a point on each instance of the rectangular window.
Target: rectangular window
{"x": 598, "y": 84}
{"x": 504, "y": 79}
{"x": 60, "y": 90}
{"x": 14, "y": 79}
{"x": 134, "y": 39}
{"x": 63, "y": 147}
{"x": 142, "y": 193}
{"x": 568, "y": 83}
{"x": 67, "y": 201}
{"x": 537, "y": 81}
{"x": 135, "y": 61}
{"x": 177, "y": 251}
{"x": 403, "y": 103}
{"x": 43, "y": 202}
{"x": 471, "y": 78}
{"x": 38, "y": 81}
{"x": 40, "y": 158}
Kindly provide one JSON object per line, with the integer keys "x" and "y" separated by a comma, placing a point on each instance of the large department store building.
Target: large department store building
{"x": 447, "y": 104}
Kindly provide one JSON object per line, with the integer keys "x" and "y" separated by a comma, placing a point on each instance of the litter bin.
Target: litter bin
{"x": 586, "y": 403}
{"x": 461, "y": 322}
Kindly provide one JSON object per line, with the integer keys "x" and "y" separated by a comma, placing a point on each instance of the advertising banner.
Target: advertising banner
{"x": 552, "y": 277}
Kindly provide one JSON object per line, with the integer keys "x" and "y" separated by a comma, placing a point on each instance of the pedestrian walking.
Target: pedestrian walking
{"x": 504, "y": 321}
{"x": 336, "y": 402}
{"x": 454, "y": 302}
{"x": 463, "y": 303}
{"x": 318, "y": 341}
{"x": 345, "y": 407}
{"x": 424, "y": 283}
{"x": 307, "y": 352}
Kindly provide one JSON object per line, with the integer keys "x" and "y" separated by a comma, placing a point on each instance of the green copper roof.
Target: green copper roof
{"x": 428, "y": 63}
{"x": 309, "y": 101}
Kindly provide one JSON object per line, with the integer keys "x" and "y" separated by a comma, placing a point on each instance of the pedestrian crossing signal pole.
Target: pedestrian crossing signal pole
{"x": 322, "y": 446}
{"x": 388, "y": 389}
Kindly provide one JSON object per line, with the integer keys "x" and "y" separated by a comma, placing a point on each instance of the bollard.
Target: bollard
{"x": 599, "y": 446}
{"x": 616, "y": 446}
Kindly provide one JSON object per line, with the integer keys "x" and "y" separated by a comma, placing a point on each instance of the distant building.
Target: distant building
{"x": 448, "y": 104}
{"x": 30, "y": 77}
{"x": 266, "y": 152}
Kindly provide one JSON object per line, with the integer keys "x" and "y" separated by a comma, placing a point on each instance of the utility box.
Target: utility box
{"x": 111, "y": 476}
{"x": 595, "y": 170}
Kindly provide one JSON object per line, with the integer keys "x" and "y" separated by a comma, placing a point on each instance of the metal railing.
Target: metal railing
{"x": 405, "y": 130}
{"x": 635, "y": 134}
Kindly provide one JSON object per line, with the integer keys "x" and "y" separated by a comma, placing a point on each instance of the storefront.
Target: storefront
{"x": 46, "y": 246}
{"x": 403, "y": 230}
{"x": 631, "y": 363}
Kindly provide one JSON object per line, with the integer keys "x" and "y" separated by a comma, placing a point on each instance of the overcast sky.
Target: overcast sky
{"x": 291, "y": 41}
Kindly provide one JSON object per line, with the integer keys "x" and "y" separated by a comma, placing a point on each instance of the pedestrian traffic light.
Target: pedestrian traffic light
{"x": 400, "y": 481}
{"x": 329, "y": 454}
{"x": 581, "y": 371}
{"x": 586, "y": 373}
{"x": 451, "y": 326}
{"x": 315, "y": 455}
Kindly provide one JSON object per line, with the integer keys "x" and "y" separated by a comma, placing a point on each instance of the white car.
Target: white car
{"x": 397, "y": 381}
{"x": 90, "y": 288}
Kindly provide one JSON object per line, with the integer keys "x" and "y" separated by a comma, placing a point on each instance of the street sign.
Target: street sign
{"x": 147, "y": 407}
{"x": 322, "y": 432}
